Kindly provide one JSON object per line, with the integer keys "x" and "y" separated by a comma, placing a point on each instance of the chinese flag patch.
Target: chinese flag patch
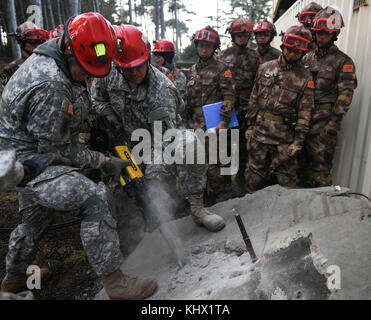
{"x": 260, "y": 60}
{"x": 70, "y": 109}
{"x": 171, "y": 77}
{"x": 228, "y": 74}
{"x": 311, "y": 84}
{"x": 348, "y": 68}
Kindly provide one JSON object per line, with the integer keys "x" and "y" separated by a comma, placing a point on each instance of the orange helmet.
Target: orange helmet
{"x": 163, "y": 45}
{"x": 93, "y": 42}
{"x": 133, "y": 49}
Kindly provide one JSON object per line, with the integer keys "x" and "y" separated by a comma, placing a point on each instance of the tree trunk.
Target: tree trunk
{"x": 130, "y": 13}
{"x": 74, "y": 7}
{"x": 59, "y": 11}
{"x": 51, "y": 14}
{"x": 157, "y": 14}
{"x": 45, "y": 15}
{"x": 12, "y": 25}
{"x": 97, "y": 9}
{"x": 79, "y": 6}
{"x": 176, "y": 29}
{"x": 163, "y": 27}
{"x": 21, "y": 10}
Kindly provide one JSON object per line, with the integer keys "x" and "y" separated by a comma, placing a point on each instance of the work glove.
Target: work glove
{"x": 294, "y": 149}
{"x": 329, "y": 133}
{"x": 221, "y": 126}
{"x": 114, "y": 167}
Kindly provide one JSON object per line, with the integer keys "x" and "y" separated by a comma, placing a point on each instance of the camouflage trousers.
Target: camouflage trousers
{"x": 265, "y": 159}
{"x": 70, "y": 191}
{"x": 316, "y": 168}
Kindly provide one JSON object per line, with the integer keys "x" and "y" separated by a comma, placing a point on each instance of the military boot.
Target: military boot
{"x": 17, "y": 282}
{"x": 203, "y": 217}
{"x": 119, "y": 286}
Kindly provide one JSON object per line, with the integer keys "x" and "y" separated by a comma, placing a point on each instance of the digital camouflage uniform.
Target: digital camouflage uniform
{"x": 43, "y": 111}
{"x": 278, "y": 92}
{"x": 244, "y": 64}
{"x": 335, "y": 80}
{"x": 8, "y": 71}
{"x": 208, "y": 82}
{"x": 156, "y": 99}
{"x": 179, "y": 79}
{"x": 268, "y": 55}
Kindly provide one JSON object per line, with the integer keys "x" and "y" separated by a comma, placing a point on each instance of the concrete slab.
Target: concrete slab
{"x": 299, "y": 235}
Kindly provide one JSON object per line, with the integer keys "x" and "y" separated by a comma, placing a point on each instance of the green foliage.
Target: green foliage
{"x": 77, "y": 257}
{"x": 190, "y": 54}
{"x": 255, "y": 10}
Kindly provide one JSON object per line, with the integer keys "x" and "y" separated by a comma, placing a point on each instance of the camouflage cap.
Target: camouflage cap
{"x": 11, "y": 170}
{"x": 312, "y": 7}
{"x": 299, "y": 30}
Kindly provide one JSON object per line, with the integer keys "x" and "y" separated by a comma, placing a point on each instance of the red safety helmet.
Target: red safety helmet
{"x": 308, "y": 13}
{"x": 298, "y": 38}
{"x": 93, "y": 42}
{"x": 56, "y": 33}
{"x": 206, "y": 35}
{"x": 265, "y": 26}
{"x": 133, "y": 49}
{"x": 164, "y": 45}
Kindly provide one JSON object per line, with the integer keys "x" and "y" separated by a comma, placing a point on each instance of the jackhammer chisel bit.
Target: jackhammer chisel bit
{"x": 245, "y": 237}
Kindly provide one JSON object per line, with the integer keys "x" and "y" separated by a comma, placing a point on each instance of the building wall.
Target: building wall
{"x": 352, "y": 164}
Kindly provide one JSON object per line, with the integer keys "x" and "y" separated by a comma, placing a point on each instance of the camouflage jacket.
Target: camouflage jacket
{"x": 334, "y": 74}
{"x": 244, "y": 65}
{"x": 43, "y": 111}
{"x": 137, "y": 107}
{"x": 278, "y": 91}
{"x": 208, "y": 82}
{"x": 268, "y": 55}
{"x": 8, "y": 71}
{"x": 179, "y": 79}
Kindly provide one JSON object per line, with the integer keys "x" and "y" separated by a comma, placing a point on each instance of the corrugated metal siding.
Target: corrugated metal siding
{"x": 352, "y": 164}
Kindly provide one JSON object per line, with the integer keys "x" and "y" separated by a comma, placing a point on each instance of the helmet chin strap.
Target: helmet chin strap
{"x": 327, "y": 45}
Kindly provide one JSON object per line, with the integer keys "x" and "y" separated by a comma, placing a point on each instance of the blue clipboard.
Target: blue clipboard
{"x": 213, "y": 118}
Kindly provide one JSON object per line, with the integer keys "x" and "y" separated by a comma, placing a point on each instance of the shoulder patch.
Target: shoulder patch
{"x": 260, "y": 60}
{"x": 228, "y": 74}
{"x": 311, "y": 84}
{"x": 69, "y": 108}
{"x": 4, "y": 78}
{"x": 170, "y": 76}
{"x": 348, "y": 68}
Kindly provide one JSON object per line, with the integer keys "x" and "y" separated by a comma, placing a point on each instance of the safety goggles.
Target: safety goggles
{"x": 56, "y": 33}
{"x": 262, "y": 26}
{"x": 242, "y": 27}
{"x": 36, "y": 34}
{"x": 305, "y": 16}
{"x": 328, "y": 25}
{"x": 206, "y": 35}
{"x": 296, "y": 42}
